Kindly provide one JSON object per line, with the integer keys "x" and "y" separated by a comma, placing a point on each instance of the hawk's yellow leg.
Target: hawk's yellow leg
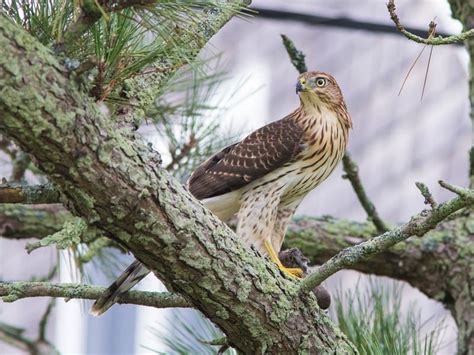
{"x": 292, "y": 271}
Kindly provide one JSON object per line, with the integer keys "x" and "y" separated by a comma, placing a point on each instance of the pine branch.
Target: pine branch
{"x": 418, "y": 225}
{"x": 92, "y": 11}
{"x": 13, "y": 291}
{"x": 144, "y": 89}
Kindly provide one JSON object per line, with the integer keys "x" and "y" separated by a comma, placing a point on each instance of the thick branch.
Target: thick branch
{"x": 13, "y": 291}
{"x": 117, "y": 185}
{"x": 418, "y": 226}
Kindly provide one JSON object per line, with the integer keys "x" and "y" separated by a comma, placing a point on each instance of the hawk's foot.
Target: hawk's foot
{"x": 293, "y": 271}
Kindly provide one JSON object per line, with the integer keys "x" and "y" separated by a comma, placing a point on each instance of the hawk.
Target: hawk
{"x": 263, "y": 178}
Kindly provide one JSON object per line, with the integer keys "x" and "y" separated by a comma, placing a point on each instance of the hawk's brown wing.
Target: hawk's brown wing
{"x": 263, "y": 151}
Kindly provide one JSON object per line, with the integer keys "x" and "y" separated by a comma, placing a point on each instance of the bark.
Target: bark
{"x": 114, "y": 181}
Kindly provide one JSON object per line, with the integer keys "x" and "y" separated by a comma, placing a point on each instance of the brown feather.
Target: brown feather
{"x": 260, "y": 153}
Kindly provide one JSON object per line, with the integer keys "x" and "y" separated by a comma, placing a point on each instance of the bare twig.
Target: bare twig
{"x": 429, "y": 200}
{"x": 14, "y": 336}
{"x": 460, "y": 191}
{"x": 418, "y": 225}
{"x": 35, "y": 194}
{"x": 44, "y": 320}
{"x": 13, "y": 291}
{"x": 431, "y": 33}
{"x": 435, "y": 41}
{"x": 352, "y": 174}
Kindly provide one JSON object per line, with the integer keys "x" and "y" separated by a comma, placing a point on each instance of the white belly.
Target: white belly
{"x": 224, "y": 206}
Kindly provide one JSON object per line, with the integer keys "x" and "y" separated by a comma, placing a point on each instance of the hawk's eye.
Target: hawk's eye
{"x": 321, "y": 82}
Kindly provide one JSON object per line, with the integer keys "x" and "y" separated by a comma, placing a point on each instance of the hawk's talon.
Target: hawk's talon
{"x": 294, "y": 272}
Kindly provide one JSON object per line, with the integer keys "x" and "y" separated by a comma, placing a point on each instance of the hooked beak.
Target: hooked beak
{"x": 299, "y": 87}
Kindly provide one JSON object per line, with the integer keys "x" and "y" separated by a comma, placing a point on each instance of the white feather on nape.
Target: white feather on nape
{"x": 224, "y": 206}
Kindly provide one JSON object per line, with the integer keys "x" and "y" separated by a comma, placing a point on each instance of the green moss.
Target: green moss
{"x": 281, "y": 310}
{"x": 245, "y": 286}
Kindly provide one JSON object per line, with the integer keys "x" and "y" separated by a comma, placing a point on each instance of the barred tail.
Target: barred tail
{"x": 130, "y": 277}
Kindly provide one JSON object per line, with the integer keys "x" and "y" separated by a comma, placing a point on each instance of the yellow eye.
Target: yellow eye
{"x": 321, "y": 82}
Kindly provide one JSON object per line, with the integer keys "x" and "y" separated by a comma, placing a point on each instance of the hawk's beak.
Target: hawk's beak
{"x": 299, "y": 87}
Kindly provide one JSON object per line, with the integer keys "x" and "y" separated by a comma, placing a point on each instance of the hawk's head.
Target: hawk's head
{"x": 318, "y": 87}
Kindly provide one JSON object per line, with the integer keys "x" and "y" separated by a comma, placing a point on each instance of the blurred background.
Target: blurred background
{"x": 396, "y": 140}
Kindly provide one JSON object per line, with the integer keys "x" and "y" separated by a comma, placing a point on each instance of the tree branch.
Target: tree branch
{"x": 28, "y": 194}
{"x": 13, "y": 291}
{"x": 14, "y": 337}
{"x": 429, "y": 200}
{"x": 352, "y": 174}
{"x": 418, "y": 226}
{"x": 31, "y": 221}
{"x": 431, "y": 40}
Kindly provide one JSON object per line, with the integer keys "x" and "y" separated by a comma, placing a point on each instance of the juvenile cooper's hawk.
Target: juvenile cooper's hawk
{"x": 263, "y": 178}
